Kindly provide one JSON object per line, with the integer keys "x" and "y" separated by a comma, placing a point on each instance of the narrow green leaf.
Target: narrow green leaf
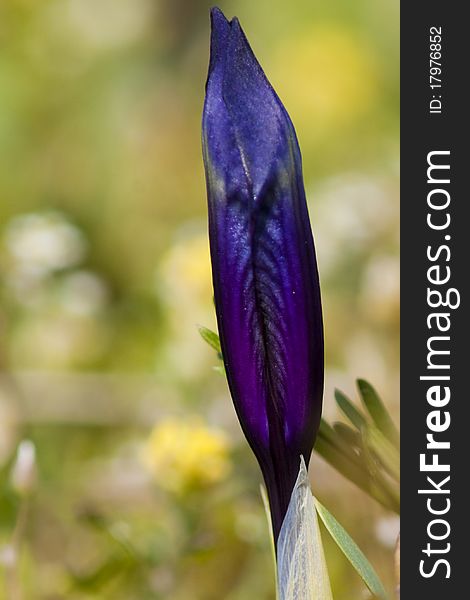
{"x": 384, "y": 451}
{"x": 352, "y": 551}
{"x": 376, "y": 408}
{"x": 351, "y": 412}
{"x": 210, "y": 337}
{"x": 349, "y": 435}
{"x": 267, "y": 510}
{"x": 332, "y": 437}
{"x": 390, "y": 489}
{"x": 375, "y": 486}
{"x": 341, "y": 462}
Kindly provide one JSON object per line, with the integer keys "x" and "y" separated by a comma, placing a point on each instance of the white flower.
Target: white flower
{"x": 23, "y": 474}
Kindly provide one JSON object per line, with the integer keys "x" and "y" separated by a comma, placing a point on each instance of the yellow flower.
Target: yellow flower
{"x": 186, "y": 454}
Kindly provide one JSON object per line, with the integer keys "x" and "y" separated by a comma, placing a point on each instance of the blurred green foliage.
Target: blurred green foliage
{"x": 104, "y": 273}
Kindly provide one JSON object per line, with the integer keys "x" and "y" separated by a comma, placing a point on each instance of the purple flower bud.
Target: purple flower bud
{"x": 266, "y": 287}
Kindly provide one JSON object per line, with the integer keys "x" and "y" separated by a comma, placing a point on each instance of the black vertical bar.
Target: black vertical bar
{"x": 422, "y": 132}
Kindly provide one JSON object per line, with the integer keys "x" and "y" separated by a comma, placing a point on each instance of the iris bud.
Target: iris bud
{"x": 266, "y": 285}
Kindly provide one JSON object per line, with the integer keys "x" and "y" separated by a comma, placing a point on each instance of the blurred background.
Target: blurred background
{"x": 136, "y": 481}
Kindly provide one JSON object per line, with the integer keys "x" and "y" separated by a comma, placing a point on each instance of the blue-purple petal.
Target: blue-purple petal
{"x": 265, "y": 278}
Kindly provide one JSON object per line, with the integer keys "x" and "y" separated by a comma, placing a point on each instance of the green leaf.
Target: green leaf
{"x": 341, "y": 462}
{"x": 349, "y": 435}
{"x": 352, "y": 551}
{"x": 331, "y": 436}
{"x": 267, "y": 510}
{"x": 211, "y": 338}
{"x": 351, "y": 412}
{"x": 385, "y": 452}
{"x": 301, "y": 565}
{"x": 376, "y": 408}
{"x": 334, "y": 449}
{"x": 377, "y": 487}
